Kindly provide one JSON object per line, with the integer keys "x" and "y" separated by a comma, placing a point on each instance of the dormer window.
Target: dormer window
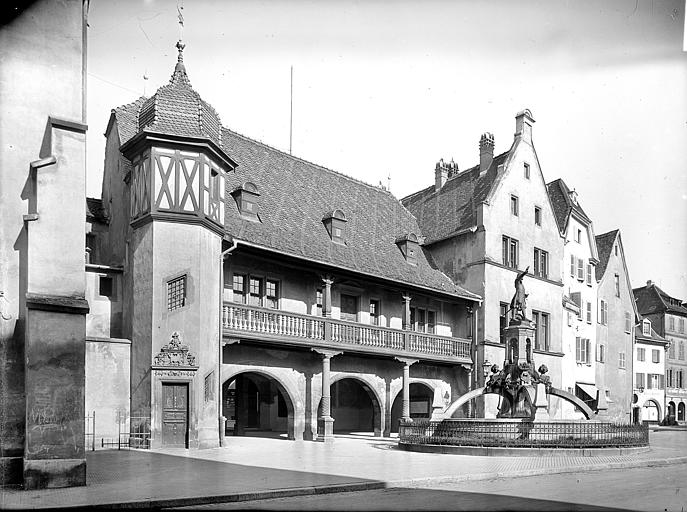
{"x": 335, "y": 222}
{"x": 409, "y": 246}
{"x": 646, "y": 327}
{"x": 246, "y": 197}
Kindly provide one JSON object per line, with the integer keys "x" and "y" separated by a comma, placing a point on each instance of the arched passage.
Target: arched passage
{"x": 355, "y": 407}
{"x": 256, "y": 404}
{"x": 651, "y": 411}
{"x": 671, "y": 409}
{"x": 421, "y": 398}
{"x": 681, "y": 411}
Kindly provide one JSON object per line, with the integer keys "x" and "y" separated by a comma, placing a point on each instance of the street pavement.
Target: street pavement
{"x": 259, "y": 468}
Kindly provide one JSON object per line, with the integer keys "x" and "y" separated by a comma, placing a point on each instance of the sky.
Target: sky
{"x": 383, "y": 89}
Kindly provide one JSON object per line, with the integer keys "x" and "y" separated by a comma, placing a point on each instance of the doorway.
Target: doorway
{"x": 175, "y": 415}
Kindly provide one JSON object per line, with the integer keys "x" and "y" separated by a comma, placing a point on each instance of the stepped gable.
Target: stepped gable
{"x": 295, "y": 195}
{"x": 450, "y": 211}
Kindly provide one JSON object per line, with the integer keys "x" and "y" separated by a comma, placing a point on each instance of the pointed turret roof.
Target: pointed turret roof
{"x": 176, "y": 109}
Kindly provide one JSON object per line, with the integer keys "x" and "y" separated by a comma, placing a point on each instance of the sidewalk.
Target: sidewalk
{"x": 257, "y": 468}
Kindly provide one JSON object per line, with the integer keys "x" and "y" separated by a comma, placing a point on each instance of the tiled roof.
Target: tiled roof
{"x": 604, "y": 246}
{"x": 651, "y": 299}
{"x": 127, "y": 119}
{"x": 655, "y": 337}
{"x": 452, "y": 210}
{"x": 295, "y": 195}
{"x": 94, "y": 210}
{"x": 562, "y": 204}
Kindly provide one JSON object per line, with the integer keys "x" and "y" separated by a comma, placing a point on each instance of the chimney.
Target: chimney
{"x": 649, "y": 282}
{"x": 523, "y": 125}
{"x": 440, "y": 175}
{"x": 486, "y": 151}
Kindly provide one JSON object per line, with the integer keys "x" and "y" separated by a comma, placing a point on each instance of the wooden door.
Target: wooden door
{"x": 175, "y": 415}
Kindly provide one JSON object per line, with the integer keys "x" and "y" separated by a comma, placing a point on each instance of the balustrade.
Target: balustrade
{"x": 251, "y": 319}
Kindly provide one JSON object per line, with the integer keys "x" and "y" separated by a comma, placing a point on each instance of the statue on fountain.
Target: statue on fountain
{"x": 518, "y": 303}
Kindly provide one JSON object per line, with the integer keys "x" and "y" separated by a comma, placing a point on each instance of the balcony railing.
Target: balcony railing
{"x": 273, "y": 323}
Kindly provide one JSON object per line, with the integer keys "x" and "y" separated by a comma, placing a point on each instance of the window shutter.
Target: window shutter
{"x": 572, "y": 265}
{"x": 589, "y": 274}
{"x": 661, "y": 381}
{"x": 578, "y": 347}
{"x": 589, "y": 350}
{"x": 648, "y": 381}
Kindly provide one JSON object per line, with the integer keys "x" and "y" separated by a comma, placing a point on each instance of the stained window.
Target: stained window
{"x": 176, "y": 293}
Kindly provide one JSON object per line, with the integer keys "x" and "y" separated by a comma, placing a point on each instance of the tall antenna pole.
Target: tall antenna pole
{"x": 291, "y": 114}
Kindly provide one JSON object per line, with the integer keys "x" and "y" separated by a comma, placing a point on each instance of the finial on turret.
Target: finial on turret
{"x": 180, "y": 58}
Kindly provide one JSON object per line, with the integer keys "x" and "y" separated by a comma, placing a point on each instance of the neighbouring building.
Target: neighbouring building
{"x": 579, "y": 323}
{"x": 668, "y": 316}
{"x": 263, "y": 293}
{"x": 483, "y": 225}
{"x": 42, "y": 285}
{"x": 649, "y": 374}
{"x": 616, "y": 319}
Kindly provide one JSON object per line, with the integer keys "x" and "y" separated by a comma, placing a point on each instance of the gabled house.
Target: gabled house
{"x": 483, "y": 225}
{"x": 615, "y": 327}
{"x": 265, "y": 291}
{"x": 649, "y": 395}
{"x": 580, "y": 258}
{"x": 668, "y": 316}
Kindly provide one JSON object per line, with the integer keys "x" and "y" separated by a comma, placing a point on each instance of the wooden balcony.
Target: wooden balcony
{"x": 277, "y": 326}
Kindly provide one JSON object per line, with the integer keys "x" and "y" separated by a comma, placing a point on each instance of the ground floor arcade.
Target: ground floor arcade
{"x": 311, "y": 394}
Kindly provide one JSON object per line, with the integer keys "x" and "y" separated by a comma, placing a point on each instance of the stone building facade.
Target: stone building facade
{"x": 668, "y": 316}
{"x": 42, "y": 286}
{"x": 263, "y": 293}
{"x": 649, "y": 374}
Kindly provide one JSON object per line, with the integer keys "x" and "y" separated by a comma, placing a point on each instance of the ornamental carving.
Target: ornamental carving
{"x": 175, "y": 373}
{"x": 175, "y": 354}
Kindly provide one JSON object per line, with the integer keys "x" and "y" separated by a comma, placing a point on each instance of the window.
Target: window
{"x": 617, "y": 285}
{"x": 641, "y": 354}
{"x": 374, "y": 312}
{"x": 671, "y": 323}
{"x": 646, "y": 328}
{"x": 537, "y": 216}
{"x": 589, "y": 274}
{"x": 681, "y": 351}
{"x": 603, "y": 312}
{"x": 578, "y": 236}
{"x": 349, "y": 307}
{"x": 503, "y": 319}
{"x": 628, "y": 322}
{"x": 621, "y": 360}
{"x": 654, "y": 381}
{"x": 671, "y": 350}
{"x": 541, "y": 263}
{"x": 176, "y": 293}
{"x": 510, "y": 252}
{"x": 272, "y": 294}
{"x": 589, "y": 312}
{"x": 246, "y": 197}
{"x": 682, "y": 325}
{"x": 582, "y": 350}
{"x": 639, "y": 380}
{"x": 580, "y": 269}
{"x": 576, "y": 297}
{"x": 655, "y": 356}
{"x": 600, "y": 353}
{"x": 335, "y": 222}
{"x": 680, "y": 376}
{"x": 615, "y": 249}
{"x": 541, "y": 324}
{"x": 573, "y": 265}
{"x": 239, "y": 287}
{"x": 255, "y": 288}
{"x": 318, "y": 302}
{"x": 526, "y": 168}
{"x": 106, "y": 286}
{"x": 669, "y": 377}
{"x": 422, "y": 320}
{"x": 514, "y": 205}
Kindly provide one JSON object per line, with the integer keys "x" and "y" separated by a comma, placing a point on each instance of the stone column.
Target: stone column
{"x": 407, "y": 363}
{"x": 325, "y": 422}
{"x": 327, "y": 296}
{"x": 406, "y": 312}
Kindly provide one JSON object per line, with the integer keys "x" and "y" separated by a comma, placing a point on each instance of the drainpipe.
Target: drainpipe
{"x": 222, "y": 257}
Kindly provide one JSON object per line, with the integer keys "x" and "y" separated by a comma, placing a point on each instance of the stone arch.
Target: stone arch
{"x": 288, "y": 389}
{"x": 370, "y": 387}
{"x": 396, "y": 402}
{"x": 681, "y": 411}
{"x": 652, "y": 403}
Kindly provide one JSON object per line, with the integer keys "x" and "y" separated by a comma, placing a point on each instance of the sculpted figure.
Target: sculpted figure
{"x": 519, "y": 301}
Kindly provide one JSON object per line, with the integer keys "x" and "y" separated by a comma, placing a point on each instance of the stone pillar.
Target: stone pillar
{"x": 407, "y": 363}
{"x": 406, "y": 312}
{"x": 327, "y": 296}
{"x": 325, "y": 422}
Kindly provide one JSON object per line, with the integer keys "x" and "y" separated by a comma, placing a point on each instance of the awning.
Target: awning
{"x": 589, "y": 389}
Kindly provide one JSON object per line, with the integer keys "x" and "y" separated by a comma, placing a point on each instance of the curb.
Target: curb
{"x": 419, "y": 482}
{"x": 154, "y": 504}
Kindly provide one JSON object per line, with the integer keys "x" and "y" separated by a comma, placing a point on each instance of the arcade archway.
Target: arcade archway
{"x": 354, "y": 407}
{"x": 651, "y": 411}
{"x": 421, "y": 398}
{"x": 257, "y": 405}
{"x": 681, "y": 411}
